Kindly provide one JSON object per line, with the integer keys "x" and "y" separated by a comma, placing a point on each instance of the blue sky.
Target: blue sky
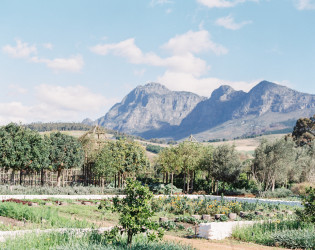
{"x": 68, "y": 60}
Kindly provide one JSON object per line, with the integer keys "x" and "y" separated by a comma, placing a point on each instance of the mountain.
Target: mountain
{"x": 154, "y": 111}
{"x": 150, "y": 107}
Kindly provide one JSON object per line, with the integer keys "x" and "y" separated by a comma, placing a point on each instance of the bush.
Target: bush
{"x": 277, "y": 193}
{"x": 165, "y": 189}
{"x": 299, "y": 188}
{"x": 308, "y": 213}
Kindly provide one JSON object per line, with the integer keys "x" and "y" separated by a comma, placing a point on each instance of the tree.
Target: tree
{"x": 273, "y": 162}
{"x": 206, "y": 163}
{"x": 169, "y": 162}
{"x": 65, "y": 152}
{"x": 226, "y": 164}
{"x": 120, "y": 157}
{"x": 22, "y": 149}
{"x": 135, "y": 209}
{"x": 189, "y": 154}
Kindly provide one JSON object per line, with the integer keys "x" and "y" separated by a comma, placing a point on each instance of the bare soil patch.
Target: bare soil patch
{"x": 11, "y": 222}
{"x": 203, "y": 244}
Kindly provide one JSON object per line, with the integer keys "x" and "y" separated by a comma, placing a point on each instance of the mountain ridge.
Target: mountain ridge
{"x": 152, "y": 110}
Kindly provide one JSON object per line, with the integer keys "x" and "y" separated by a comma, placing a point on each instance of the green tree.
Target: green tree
{"x": 169, "y": 163}
{"x": 274, "y": 162}
{"x": 65, "y": 152}
{"x": 135, "y": 209}
{"x": 189, "y": 154}
{"x": 120, "y": 158}
{"x": 226, "y": 164}
{"x": 22, "y": 150}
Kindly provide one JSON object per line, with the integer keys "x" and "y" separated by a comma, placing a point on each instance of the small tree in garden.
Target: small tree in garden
{"x": 135, "y": 210}
{"x": 65, "y": 152}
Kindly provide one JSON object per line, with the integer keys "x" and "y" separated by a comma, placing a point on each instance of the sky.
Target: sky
{"x": 69, "y": 60}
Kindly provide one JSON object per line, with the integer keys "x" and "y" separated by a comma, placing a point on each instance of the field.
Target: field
{"x": 178, "y": 216}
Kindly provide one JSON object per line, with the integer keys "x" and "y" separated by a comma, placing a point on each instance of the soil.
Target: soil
{"x": 11, "y": 222}
{"x": 203, "y": 244}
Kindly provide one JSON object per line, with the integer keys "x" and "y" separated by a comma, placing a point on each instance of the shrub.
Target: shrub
{"x": 135, "y": 210}
{"x": 299, "y": 188}
{"x": 277, "y": 193}
{"x": 308, "y": 213}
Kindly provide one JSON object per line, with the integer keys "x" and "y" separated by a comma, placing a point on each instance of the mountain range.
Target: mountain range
{"x": 153, "y": 111}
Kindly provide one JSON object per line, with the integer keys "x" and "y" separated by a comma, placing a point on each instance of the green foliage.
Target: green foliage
{"x": 308, "y": 213}
{"x": 277, "y": 193}
{"x": 87, "y": 240}
{"x": 274, "y": 163}
{"x": 38, "y": 214}
{"x": 226, "y": 164}
{"x": 120, "y": 157}
{"x": 165, "y": 189}
{"x": 49, "y": 190}
{"x": 22, "y": 149}
{"x": 58, "y": 126}
{"x": 287, "y": 233}
{"x": 154, "y": 148}
{"x": 65, "y": 152}
{"x": 135, "y": 210}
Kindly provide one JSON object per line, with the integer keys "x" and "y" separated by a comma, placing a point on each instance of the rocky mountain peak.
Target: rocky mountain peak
{"x": 153, "y": 88}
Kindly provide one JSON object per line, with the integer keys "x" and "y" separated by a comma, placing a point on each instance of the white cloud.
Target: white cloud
{"x": 182, "y": 49}
{"x": 193, "y": 42}
{"x": 229, "y": 23}
{"x": 75, "y": 98}
{"x": 223, "y": 3}
{"x": 48, "y": 46}
{"x": 21, "y": 50}
{"x": 57, "y": 103}
{"x": 71, "y": 64}
{"x": 305, "y": 4}
{"x": 201, "y": 86}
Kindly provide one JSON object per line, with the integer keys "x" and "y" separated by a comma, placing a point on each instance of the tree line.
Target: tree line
{"x": 26, "y": 151}
{"x": 191, "y": 166}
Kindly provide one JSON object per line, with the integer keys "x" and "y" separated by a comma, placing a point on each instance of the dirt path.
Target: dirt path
{"x": 203, "y": 244}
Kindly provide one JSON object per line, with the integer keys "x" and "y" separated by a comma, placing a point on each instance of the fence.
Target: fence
{"x": 68, "y": 177}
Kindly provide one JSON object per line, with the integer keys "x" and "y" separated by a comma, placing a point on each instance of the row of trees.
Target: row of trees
{"x": 26, "y": 151}
{"x": 191, "y": 160}
{"x": 283, "y": 161}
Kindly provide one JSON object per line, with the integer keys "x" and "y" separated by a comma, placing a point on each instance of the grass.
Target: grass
{"x": 289, "y": 233}
{"x": 44, "y": 217}
{"x": 92, "y": 240}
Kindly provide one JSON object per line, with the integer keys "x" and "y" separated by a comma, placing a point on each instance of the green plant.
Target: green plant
{"x": 135, "y": 210}
{"x": 308, "y": 213}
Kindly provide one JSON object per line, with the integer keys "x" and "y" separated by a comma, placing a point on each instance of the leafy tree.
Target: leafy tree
{"x": 226, "y": 164}
{"x": 189, "y": 154}
{"x": 22, "y": 149}
{"x": 135, "y": 210}
{"x": 65, "y": 152}
{"x": 120, "y": 158}
{"x": 169, "y": 162}
{"x": 273, "y": 162}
